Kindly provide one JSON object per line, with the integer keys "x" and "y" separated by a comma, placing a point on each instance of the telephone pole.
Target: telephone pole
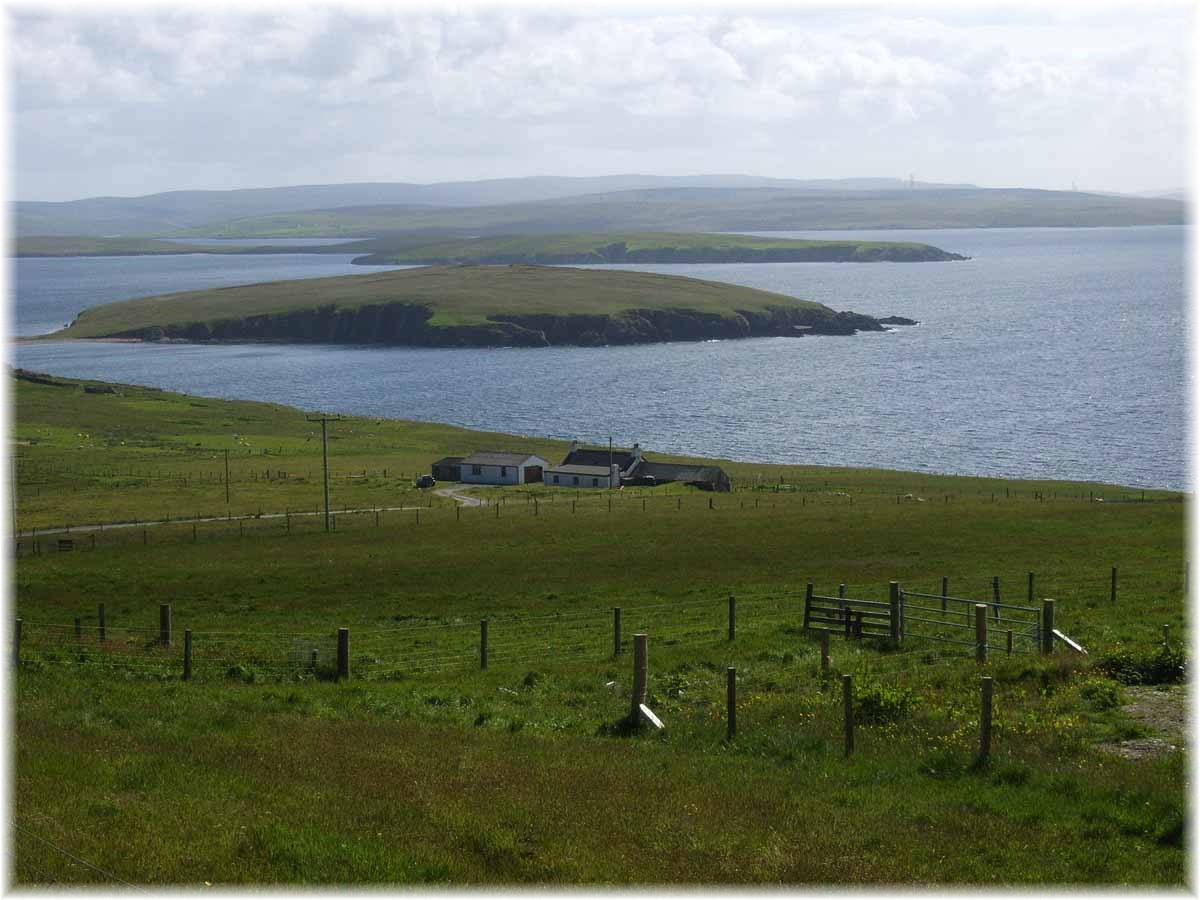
{"x": 226, "y": 476}
{"x": 324, "y": 456}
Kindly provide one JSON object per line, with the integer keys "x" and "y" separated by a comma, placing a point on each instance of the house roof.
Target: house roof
{"x": 588, "y": 457}
{"x": 492, "y": 458}
{"x": 447, "y": 461}
{"x": 602, "y": 471}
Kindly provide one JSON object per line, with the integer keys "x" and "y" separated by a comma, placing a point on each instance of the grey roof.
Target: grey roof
{"x": 447, "y": 461}
{"x": 490, "y": 458}
{"x": 579, "y": 470}
{"x": 586, "y": 456}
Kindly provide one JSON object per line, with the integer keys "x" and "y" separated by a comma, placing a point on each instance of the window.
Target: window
{"x": 595, "y": 482}
{"x": 556, "y": 479}
{"x": 575, "y": 480}
{"x": 504, "y": 471}
{"x": 476, "y": 470}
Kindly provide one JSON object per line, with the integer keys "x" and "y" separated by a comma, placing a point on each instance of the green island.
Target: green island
{"x": 471, "y": 306}
{"x": 648, "y": 247}
{"x": 429, "y": 765}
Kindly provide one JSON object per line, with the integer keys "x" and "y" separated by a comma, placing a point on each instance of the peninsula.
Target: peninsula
{"x": 472, "y": 306}
{"x": 644, "y": 247}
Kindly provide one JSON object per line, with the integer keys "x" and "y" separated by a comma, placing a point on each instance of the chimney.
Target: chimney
{"x": 637, "y": 452}
{"x": 574, "y": 447}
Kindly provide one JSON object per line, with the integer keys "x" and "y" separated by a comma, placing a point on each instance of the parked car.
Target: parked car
{"x": 425, "y": 481}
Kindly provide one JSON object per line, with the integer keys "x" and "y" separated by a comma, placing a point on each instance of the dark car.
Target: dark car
{"x": 425, "y": 481}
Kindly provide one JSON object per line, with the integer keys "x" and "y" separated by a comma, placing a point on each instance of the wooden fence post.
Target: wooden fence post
{"x": 981, "y": 633}
{"x": 78, "y": 629}
{"x": 101, "y": 615}
{"x": 848, "y": 711}
{"x": 16, "y": 658}
{"x": 1114, "y": 584}
{"x": 483, "y": 623}
{"x": 1030, "y": 588}
{"x": 640, "y": 665}
{"x": 824, "y": 650}
{"x": 343, "y": 653}
{"x": 731, "y": 701}
{"x": 616, "y": 628}
{"x": 187, "y": 654}
{"x": 1009, "y": 642}
{"x": 842, "y": 591}
{"x": 808, "y": 594}
{"x": 732, "y": 616}
{"x": 1047, "y": 626}
{"x": 164, "y": 624}
{"x": 945, "y": 591}
{"x": 985, "y": 717}
{"x": 1166, "y": 635}
{"x": 894, "y": 619}
{"x": 996, "y": 596}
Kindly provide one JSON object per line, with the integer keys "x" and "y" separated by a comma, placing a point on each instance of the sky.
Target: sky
{"x": 137, "y": 99}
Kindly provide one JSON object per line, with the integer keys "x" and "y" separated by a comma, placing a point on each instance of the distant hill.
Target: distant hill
{"x": 165, "y": 214}
{"x": 725, "y": 210}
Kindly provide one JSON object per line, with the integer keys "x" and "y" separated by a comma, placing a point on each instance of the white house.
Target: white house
{"x": 593, "y": 468}
{"x": 487, "y": 467}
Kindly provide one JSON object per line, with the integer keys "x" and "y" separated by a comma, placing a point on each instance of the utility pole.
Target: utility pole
{"x": 324, "y": 456}
{"x": 610, "y": 484}
{"x": 226, "y": 476}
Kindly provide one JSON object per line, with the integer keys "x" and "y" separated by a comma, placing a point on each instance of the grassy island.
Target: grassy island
{"x": 470, "y": 306}
{"x": 644, "y": 247}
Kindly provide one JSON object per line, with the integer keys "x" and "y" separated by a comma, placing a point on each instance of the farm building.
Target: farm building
{"x": 489, "y": 467}
{"x": 588, "y": 467}
{"x": 448, "y": 468}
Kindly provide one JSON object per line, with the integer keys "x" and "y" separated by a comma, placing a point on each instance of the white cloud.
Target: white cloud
{"x": 320, "y": 93}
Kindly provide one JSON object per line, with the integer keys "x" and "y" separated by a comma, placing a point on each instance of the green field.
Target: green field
{"x": 457, "y": 296}
{"x": 421, "y": 768}
{"x": 635, "y": 247}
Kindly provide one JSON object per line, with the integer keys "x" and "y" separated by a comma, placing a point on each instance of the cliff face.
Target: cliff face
{"x": 619, "y": 253}
{"x": 408, "y": 325}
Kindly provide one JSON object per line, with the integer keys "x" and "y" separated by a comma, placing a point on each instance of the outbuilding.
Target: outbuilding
{"x": 493, "y": 467}
{"x": 448, "y": 468}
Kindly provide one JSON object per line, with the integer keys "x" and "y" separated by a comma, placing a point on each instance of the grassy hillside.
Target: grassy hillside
{"x": 723, "y": 210}
{"x": 454, "y": 295}
{"x": 93, "y": 246}
{"x": 644, "y": 247}
{"x": 422, "y": 768}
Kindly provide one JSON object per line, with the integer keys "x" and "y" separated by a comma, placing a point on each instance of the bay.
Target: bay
{"x": 1052, "y": 353}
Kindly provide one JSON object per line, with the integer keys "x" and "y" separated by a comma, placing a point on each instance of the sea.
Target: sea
{"x": 1053, "y": 353}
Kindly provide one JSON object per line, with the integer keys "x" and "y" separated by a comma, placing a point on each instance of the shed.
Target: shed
{"x": 448, "y": 468}
{"x": 501, "y": 467}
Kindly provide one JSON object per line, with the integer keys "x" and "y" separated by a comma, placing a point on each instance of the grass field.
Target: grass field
{"x": 423, "y": 768}
{"x": 456, "y": 295}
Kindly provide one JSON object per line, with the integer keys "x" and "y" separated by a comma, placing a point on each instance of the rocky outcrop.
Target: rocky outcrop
{"x": 407, "y": 324}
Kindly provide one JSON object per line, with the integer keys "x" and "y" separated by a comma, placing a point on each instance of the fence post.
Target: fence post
{"x": 17, "y": 643}
{"x": 945, "y": 591}
{"x": 639, "y": 677}
{"x": 980, "y": 633}
{"x": 996, "y": 597}
{"x": 1047, "y": 626}
{"x": 842, "y": 591}
{"x": 731, "y": 701}
{"x": 616, "y": 628}
{"x": 312, "y": 664}
{"x": 1031, "y": 588}
{"x": 985, "y": 717}
{"x": 1009, "y": 641}
{"x": 101, "y": 614}
{"x": 78, "y": 629}
{"x": 808, "y": 592}
{"x": 894, "y": 603}
{"x": 824, "y": 650}
{"x": 164, "y": 624}
{"x": 848, "y": 711}
{"x": 483, "y": 644}
{"x": 343, "y": 653}
{"x": 187, "y": 654}
{"x": 1114, "y": 584}
{"x": 732, "y": 616}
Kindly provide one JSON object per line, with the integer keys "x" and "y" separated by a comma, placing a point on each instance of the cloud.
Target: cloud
{"x": 319, "y": 93}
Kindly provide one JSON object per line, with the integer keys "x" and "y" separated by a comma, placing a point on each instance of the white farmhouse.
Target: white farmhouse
{"x": 487, "y": 467}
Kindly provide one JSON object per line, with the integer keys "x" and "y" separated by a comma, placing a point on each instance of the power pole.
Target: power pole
{"x": 227, "y": 476}
{"x": 324, "y": 456}
{"x": 610, "y": 484}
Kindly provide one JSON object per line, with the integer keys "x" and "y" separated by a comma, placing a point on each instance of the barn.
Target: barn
{"x": 495, "y": 467}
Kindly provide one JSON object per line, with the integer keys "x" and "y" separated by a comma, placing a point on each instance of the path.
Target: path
{"x": 452, "y": 493}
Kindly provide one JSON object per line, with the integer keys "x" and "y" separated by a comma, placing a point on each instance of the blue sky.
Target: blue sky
{"x": 134, "y": 100}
